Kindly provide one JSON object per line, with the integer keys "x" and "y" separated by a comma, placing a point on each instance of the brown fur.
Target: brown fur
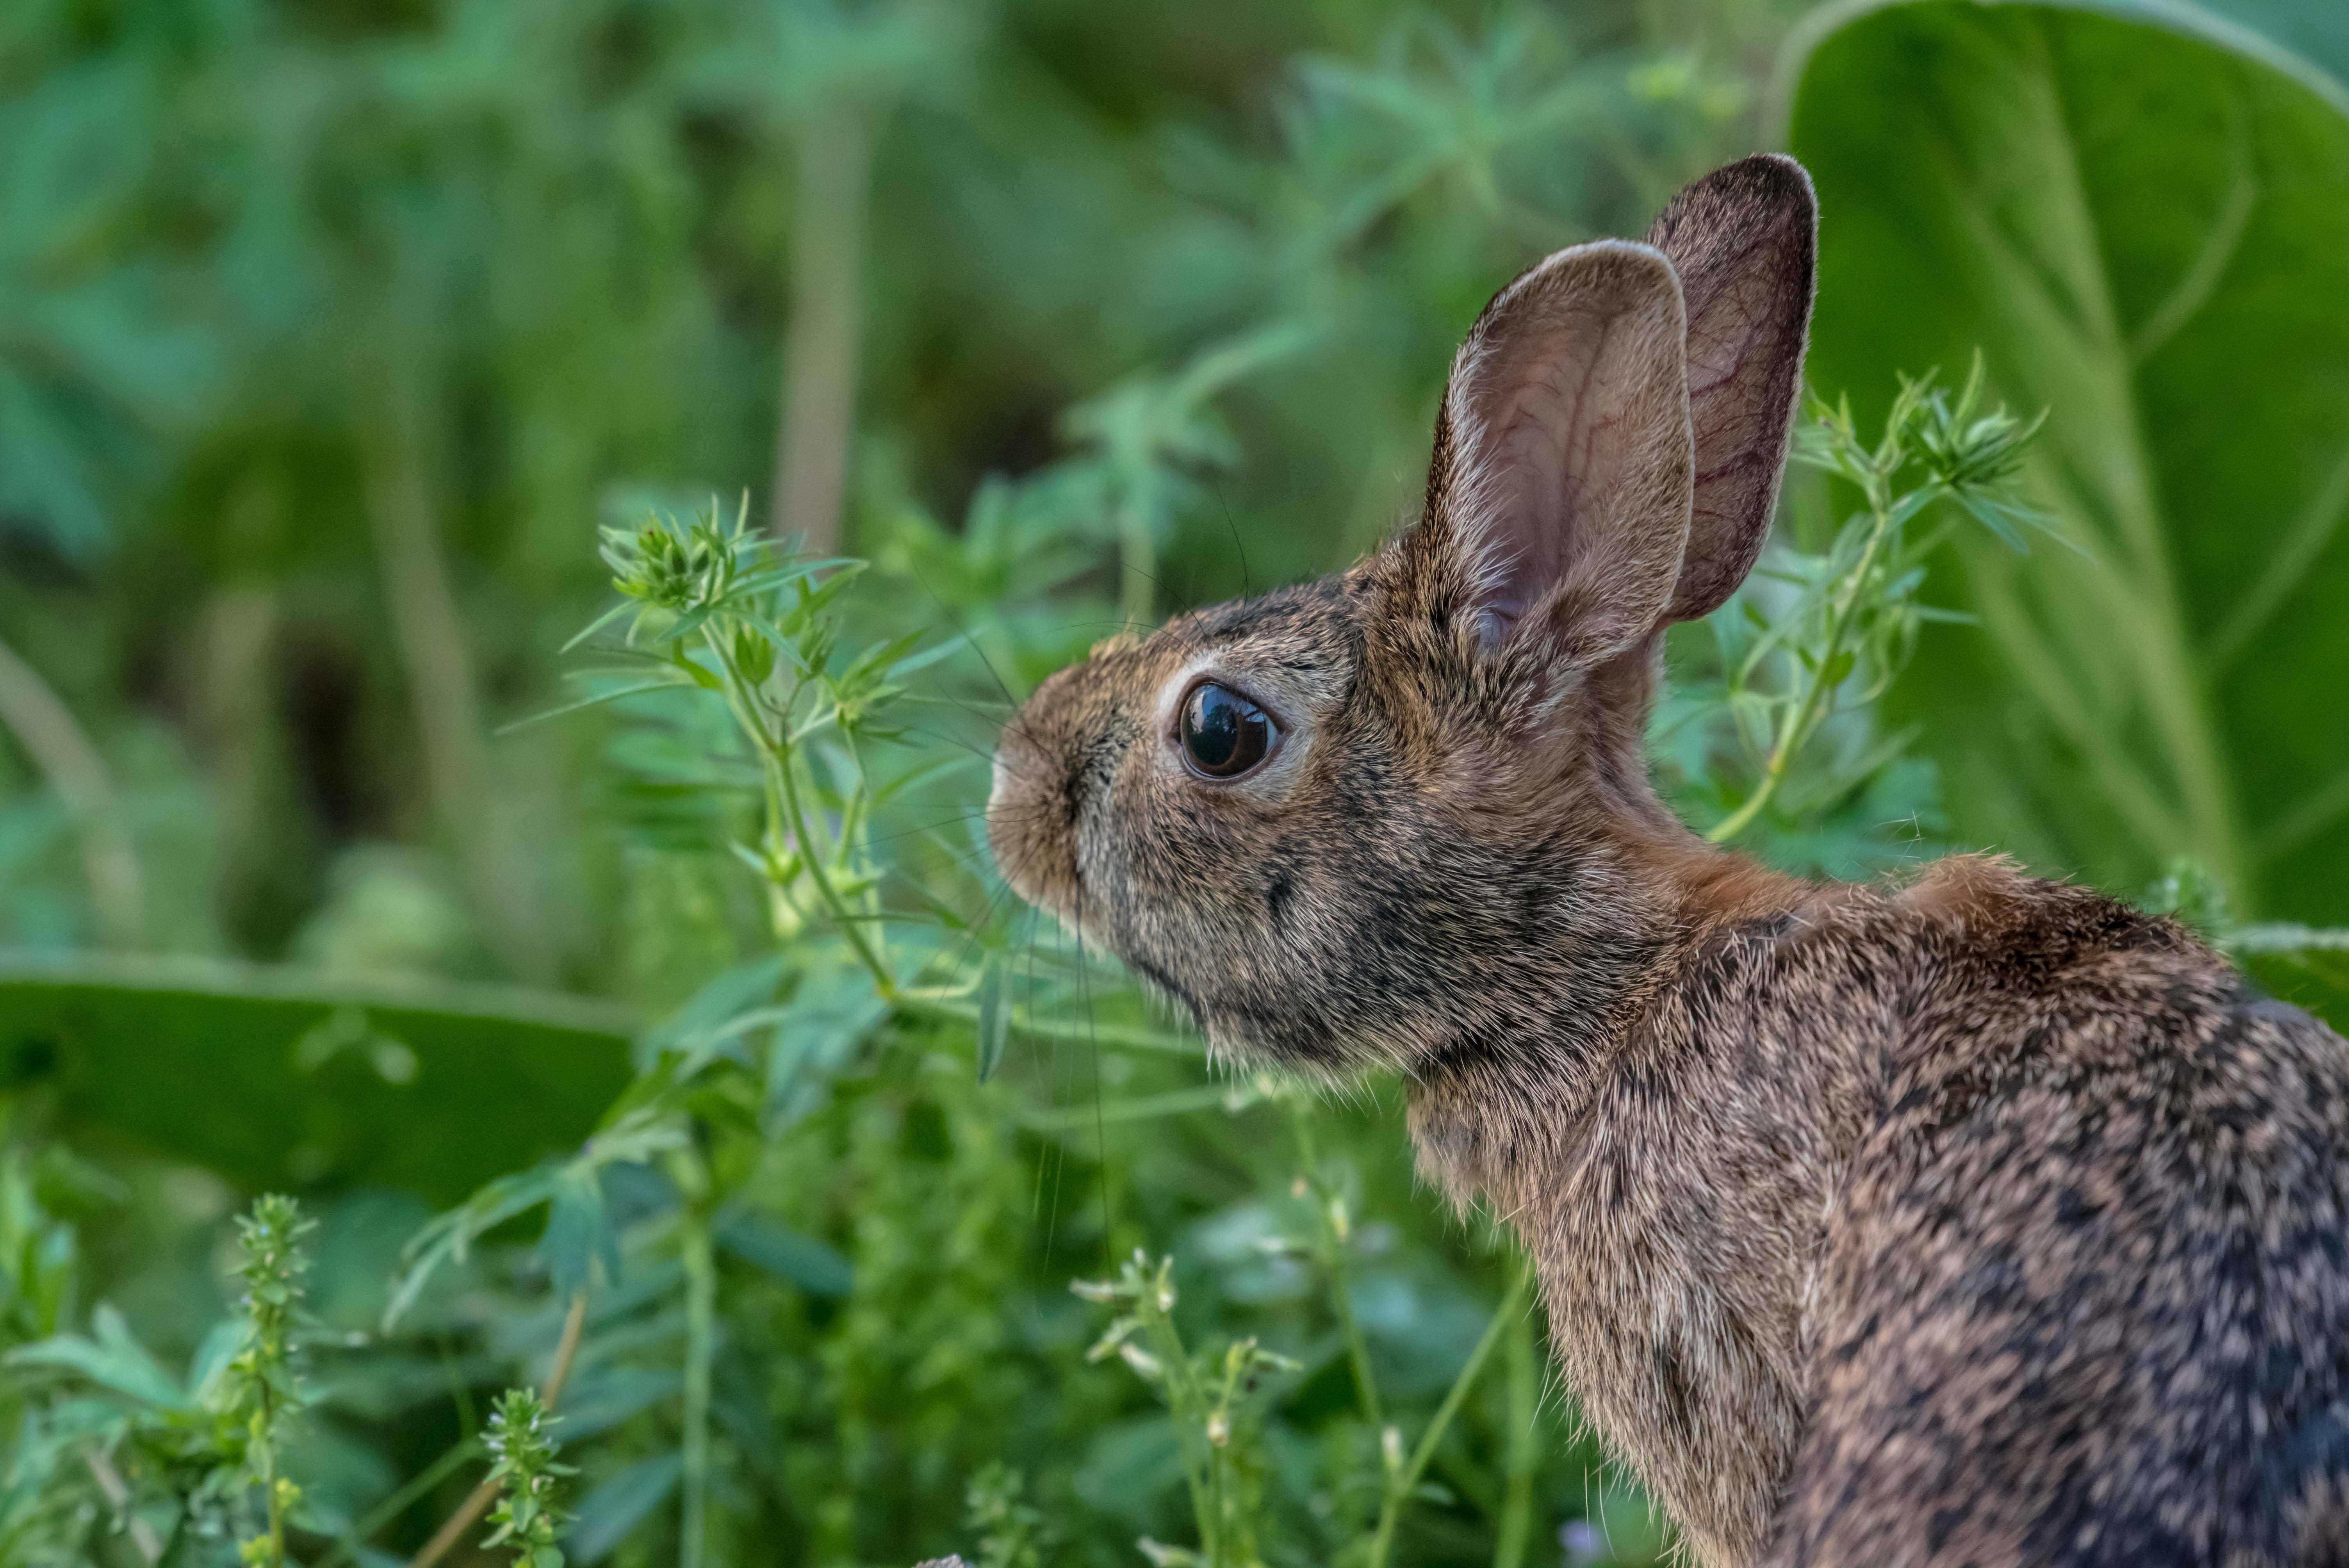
{"x": 1976, "y": 1220}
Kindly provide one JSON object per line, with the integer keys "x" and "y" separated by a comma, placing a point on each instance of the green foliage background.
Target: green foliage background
{"x": 329, "y": 334}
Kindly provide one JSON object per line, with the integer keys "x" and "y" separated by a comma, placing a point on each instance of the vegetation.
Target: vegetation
{"x": 668, "y": 1072}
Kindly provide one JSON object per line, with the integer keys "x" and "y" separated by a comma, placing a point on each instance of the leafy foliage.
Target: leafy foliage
{"x": 528, "y": 1517}
{"x": 1845, "y": 623}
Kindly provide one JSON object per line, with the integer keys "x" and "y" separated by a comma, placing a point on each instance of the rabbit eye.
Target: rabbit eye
{"x": 1223, "y": 735}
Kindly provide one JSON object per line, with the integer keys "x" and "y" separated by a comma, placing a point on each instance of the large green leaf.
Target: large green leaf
{"x": 2140, "y": 212}
{"x": 275, "y": 1078}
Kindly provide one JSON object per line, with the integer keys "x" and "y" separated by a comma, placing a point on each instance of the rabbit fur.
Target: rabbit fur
{"x": 1969, "y": 1219}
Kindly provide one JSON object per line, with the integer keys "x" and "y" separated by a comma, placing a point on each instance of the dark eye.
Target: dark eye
{"x": 1223, "y": 734}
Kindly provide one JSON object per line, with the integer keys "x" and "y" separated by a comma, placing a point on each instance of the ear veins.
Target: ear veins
{"x": 1744, "y": 241}
{"x": 1565, "y": 457}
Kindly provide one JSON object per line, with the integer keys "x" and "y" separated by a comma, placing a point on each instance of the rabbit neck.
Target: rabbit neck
{"x": 1663, "y": 1200}
{"x": 1639, "y": 901}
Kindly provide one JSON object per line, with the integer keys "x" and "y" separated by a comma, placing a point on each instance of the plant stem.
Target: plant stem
{"x": 1189, "y": 1409}
{"x": 1137, "y": 565}
{"x": 883, "y": 980}
{"x": 700, "y": 1344}
{"x": 63, "y": 752}
{"x": 785, "y": 793}
{"x": 1401, "y": 1484}
{"x": 118, "y": 1497}
{"x": 1521, "y": 1456}
{"x": 1085, "y": 1034}
{"x": 477, "y": 1502}
{"x": 1819, "y": 688}
{"x": 269, "y": 1490}
{"x": 817, "y": 421}
{"x": 1332, "y": 1248}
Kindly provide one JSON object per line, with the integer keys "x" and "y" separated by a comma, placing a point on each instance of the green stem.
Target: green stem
{"x": 778, "y": 758}
{"x": 1523, "y": 1455}
{"x": 1174, "y": 1102}
{"x": 399, "y": 1503}
{"x": 1332, "y": 1248}
{"x": 1401, "y": 1483}
{"x": 269, "y": 1491}
{"x": 1188, "y": 1406}
{"x": 837, "y": 907}
{"x": 1820, "y": 690}
{"x": 700, "y": 1344}
{"x": 269, "y": 1350}
{"x": 1137, "y": 563}
{"x": 1054, "y": 1029}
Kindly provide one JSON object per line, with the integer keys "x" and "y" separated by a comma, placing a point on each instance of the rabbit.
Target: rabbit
{"x": 1962, "y": 1217}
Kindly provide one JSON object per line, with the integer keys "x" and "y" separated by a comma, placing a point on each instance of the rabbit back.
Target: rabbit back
{"x": 2084, "y": 1293}
{"x": 1986, "y": 1220}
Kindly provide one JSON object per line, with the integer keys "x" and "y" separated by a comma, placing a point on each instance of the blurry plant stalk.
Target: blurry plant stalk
{"x": 272, "y": 1265}
{"x": 40, "y": 719}
{"x": 817, "y": 425}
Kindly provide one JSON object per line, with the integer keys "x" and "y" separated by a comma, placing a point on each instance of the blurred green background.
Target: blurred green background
{"x": 330, "y": 332}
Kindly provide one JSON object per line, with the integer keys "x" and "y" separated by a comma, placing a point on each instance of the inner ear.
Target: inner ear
{"x": 1565, "y": 461}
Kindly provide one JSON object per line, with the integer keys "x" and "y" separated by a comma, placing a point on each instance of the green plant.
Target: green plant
{"x": 206, "y": 1455}
{"x": 528, "y": 1515}
{"x": 1012, "y": 1533}
{"x": 1846, "y": 622}
{"x": 1215, "y": 1400}
{"x": 265, "y": 1391}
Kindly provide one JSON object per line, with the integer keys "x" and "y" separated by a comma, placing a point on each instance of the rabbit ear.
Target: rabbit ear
{"x": 1558, "y": 496}
{"x": 1745, "y": 241}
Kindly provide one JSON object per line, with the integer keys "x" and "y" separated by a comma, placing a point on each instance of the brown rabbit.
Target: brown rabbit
{"x": 1977, "y": 1219}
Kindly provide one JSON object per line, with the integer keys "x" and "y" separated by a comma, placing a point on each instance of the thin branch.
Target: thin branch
{"x": 436, "y": 654}
{"x": 469, "y": 1512}
{"x": 63, "y": 752}
{"x": 118, "y": 1496}
{"x": 818, "y": 418}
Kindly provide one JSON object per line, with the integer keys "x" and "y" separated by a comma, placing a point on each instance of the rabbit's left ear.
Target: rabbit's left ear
{"x": 1745, "y": 242}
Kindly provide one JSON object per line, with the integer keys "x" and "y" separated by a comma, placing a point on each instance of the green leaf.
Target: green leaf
{"x": 830, "y": 1016}
{"x": 802, "y": 1260}
{"x": 610, "y": 1514}
{"x": 2142, "y": 218}
{"x": 198, "y": 1060}
{"x": 579, "y": 1232}
{"x": 114, "y": 1360}
{"x": 994, "y": 1016}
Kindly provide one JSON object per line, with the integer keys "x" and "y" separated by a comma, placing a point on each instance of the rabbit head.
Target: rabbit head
{"x": 1387, "y": 813}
